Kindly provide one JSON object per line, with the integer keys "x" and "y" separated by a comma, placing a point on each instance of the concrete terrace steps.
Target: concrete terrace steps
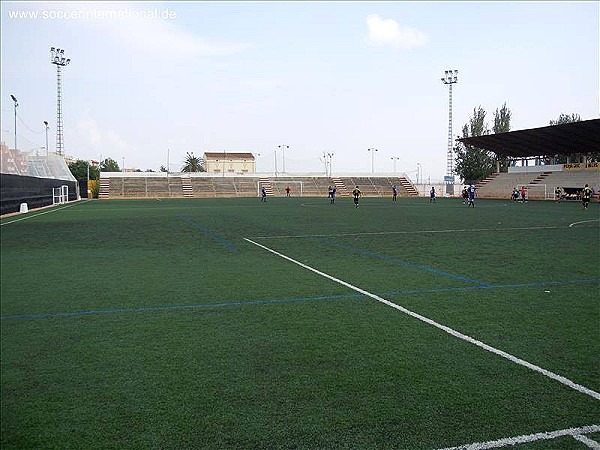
{"x": 541, "y": 177}
{"x": 186, "y": 186}
{"x": 408, "y": 186}
{"x": 266, "y": 183}
{"x": 341, "y": 187}
{"x": 104, "y": 191}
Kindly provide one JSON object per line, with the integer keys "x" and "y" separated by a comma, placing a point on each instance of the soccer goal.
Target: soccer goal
{"x": 60, "y": 195}
{"x": 538, "y": 192}
{"x": 296, "y": 187}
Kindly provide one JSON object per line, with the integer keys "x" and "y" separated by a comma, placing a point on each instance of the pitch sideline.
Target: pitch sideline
{"x": 464, "y": 337}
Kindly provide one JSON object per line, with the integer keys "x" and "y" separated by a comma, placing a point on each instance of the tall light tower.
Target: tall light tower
{"x": 14, "y": 99}
{"x": 57, "y": 57}
{"x": 395, "y": 158}
{"x": 450, "y": 77}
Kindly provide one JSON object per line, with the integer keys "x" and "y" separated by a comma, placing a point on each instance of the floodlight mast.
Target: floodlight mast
{"x": 57, "y": 57}
{"x": 450, "y": 77}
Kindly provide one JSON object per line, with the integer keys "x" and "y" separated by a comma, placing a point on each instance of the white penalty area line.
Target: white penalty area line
{"x": 576, "y": 433}
{"x": 583, "y": 221}
{"x": 448, "y": 330}
{"x": 39, "y": 214}
{"x": 375, "y": 233}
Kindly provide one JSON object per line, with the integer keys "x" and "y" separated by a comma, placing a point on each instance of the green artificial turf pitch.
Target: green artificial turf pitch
{"x": 159, "y": 324}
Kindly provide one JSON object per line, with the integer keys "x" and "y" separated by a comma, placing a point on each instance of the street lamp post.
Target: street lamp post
{"x": 14, "y": 99}
{"x": 283, "y": 147}
{"x": 372, "y": 150}
{"x": 46, "y": 124}
{"x": 330, "y": 156}
{"x": 395, "y": 158}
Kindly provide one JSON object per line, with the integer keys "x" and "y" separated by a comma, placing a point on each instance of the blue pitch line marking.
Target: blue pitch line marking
{"x": 330, "y": 243}
{"x": 402, "y": 262}
{"x": 224, "y": 242}
{"x": 295, "y": 299}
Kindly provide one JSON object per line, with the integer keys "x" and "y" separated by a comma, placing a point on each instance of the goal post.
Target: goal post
{"x": 296, "y": 188}
{"x": 299, "y": 187}
{"x": 538, "y": 192}
{"x": 60, "y": 195}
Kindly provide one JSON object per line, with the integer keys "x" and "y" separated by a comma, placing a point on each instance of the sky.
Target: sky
{"x": 149, "y": 82}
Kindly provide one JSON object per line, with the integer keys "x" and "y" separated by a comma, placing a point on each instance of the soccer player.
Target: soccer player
{"x": 465, "y": 195}
{"x": 394, "y": 193}
{"x": 471, "y": 191}
{"x": 432, "y": 195}
{"x": 287, "y": 191}
{"x": 329, "y": 191}
{"x": 586, "y": 194}
{"x": 515, "y": 194}
{"x": 523, "y": 194}
{"x": 356, "y": 193}
{"x": 263, "y": 193}
{"x": 557, "y": 194}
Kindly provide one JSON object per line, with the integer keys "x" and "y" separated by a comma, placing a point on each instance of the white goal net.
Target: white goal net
{"x": 538, "y": 192}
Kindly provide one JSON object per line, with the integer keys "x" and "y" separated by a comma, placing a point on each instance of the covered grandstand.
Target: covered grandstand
{"x": 578, "y": 141}
{"x": 27, "y": 177}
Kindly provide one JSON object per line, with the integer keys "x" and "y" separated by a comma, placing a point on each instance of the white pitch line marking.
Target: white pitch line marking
{"x": 587, "y": 441}
{"x": 448, "y": 330}
{"x": 583, "y": 221}
{"x": 527, "y": 438}
{"x": 465, "y": 230}
{"x": 39, "y": 214}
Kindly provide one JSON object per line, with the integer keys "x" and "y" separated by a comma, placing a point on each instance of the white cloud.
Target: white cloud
{"x": 89, "y": 130}
{"x": 387, "y": 32}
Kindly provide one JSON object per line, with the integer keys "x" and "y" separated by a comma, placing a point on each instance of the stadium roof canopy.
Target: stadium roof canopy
{"x": 564, "y": 139}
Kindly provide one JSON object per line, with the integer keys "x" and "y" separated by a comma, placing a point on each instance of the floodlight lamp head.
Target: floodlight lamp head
{"x": 14, "y": 99}
{"x": 45, "y": 123}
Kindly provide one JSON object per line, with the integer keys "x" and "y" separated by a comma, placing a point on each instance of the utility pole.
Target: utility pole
{"x": 14, "y": 99}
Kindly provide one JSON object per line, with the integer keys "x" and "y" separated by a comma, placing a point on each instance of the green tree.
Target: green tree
{"x": 502, "y": 125}
{"x": 472, "y": 163}
{"x": 193, "y": 164}
{"x": 109, "y": 165}
{"x": 79, "y": 169}
{"x": 576, "y": 157}
{"x": 566, "y": 118}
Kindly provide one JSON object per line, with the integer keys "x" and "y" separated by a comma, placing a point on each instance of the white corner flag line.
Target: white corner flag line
{"x": 448, "y": 330}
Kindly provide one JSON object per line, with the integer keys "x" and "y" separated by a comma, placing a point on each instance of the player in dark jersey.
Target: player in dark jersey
{"x": 332, "y": 195}
{"x": 471, "y": 191}
{"x": 557, "y": 194}
{"x": 586, "y": 195}
{"x": 394, "y": 193}
{"x": 263, "y": 193}
{"x": 465, "y": 195}
{"x": 356, "y": 193}
{"x": 432, "y": 195}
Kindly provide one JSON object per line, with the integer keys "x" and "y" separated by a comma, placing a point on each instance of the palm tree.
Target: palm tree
{"x": 193, "y": 163}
